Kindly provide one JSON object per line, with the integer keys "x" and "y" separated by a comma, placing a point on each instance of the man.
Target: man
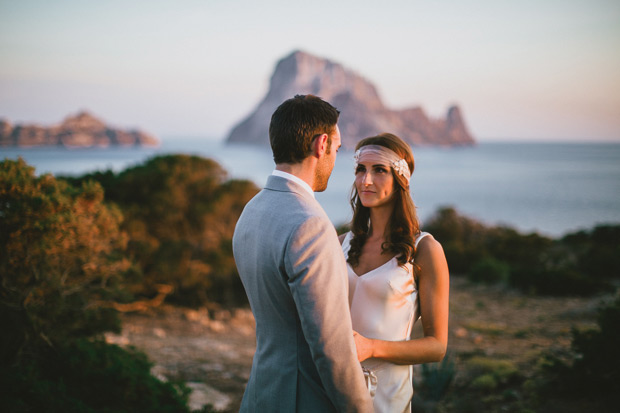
{"x": 293, "y": 270}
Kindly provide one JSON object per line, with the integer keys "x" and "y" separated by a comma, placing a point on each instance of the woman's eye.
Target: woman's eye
{"x": 381, "y": 169}
{"x": 360, "y": 169}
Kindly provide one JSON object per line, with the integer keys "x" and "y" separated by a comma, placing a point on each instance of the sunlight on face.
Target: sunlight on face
{"x": 374, "y": 181}
{"x": 326, "y": 165}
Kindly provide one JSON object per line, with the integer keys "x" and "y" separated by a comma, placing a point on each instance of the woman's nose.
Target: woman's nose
{"x": 367, "y": 180}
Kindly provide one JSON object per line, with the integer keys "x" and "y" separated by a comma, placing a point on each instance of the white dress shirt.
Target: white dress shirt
{"x": 294, "y": 178}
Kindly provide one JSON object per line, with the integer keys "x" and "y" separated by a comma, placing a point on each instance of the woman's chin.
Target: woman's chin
{"x": 369, "y": 204}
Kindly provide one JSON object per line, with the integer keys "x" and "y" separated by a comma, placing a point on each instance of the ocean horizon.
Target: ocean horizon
{"x": 551, "y": 188}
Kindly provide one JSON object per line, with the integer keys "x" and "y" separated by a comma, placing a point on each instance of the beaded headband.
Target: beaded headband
{"x": 386, "y": 156}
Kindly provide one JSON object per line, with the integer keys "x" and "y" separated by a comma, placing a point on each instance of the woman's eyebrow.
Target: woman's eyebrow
{"x": 373, "y": 165}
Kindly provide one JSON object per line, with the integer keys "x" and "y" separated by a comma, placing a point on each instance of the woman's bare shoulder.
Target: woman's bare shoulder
{"x": 428, "y": 249}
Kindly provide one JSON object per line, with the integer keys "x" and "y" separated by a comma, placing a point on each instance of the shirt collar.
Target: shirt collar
{"x": 294, "y": 178}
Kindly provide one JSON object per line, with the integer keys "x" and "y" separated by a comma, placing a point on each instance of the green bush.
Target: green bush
{"x": 64, "y": 263}
{"x": 62, "y": 259}
{"x": 485, "y": 382}
{"x": 596, "y": 253}
{"x": 462, "y": 238}
{"x": 489, "y": 271}
{"x": 88, "y": 376}
{"x": 180, "y": 214}
{"x": 593, "y": 369}
{"x": 466, "y": 242}
{"x": 437, "y": 378}
{"x": 489, "y": 374}
{"x": 556, "y": 282}
{"x": 583, "y": 263}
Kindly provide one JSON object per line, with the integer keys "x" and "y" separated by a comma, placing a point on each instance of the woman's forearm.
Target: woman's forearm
{"x": 420, "y": 350}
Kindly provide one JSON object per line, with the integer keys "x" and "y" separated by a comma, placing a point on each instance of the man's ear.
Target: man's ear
{"x": 320, "y": 145}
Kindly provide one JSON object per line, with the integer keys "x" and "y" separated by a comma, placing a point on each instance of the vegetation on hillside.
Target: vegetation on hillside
{"x": 581, "y": 263}
{"x": 589, "y": 370}
{"x": 180, "y": 213}
{"x": 71, "y": 257}
{"x": 62, "y": 257}
{"x": 75, "y": 250}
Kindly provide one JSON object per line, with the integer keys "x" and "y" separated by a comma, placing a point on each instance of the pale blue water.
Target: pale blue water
{"x": 551, "y": 188}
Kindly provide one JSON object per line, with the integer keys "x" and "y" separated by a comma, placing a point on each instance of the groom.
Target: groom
{"x": 294, "y": 274}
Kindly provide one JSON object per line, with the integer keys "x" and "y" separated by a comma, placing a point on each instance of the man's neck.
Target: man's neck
{"x": 302, "y": 170}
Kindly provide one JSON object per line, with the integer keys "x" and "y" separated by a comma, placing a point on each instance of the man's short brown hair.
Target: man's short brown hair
{"x": 296, "y": 123}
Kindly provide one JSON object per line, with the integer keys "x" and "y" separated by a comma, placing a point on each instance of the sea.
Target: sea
{"x": 549, "y": 188}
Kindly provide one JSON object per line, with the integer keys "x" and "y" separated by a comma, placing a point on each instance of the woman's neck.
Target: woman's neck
{"x": 379, "y": 218}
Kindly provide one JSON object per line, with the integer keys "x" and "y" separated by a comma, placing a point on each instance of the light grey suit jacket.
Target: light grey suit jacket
{"x": 293, "y": 270}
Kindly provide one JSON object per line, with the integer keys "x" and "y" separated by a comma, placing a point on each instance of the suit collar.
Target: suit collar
{"x": 277, "y": 183}
{"x": 295, "y": 179}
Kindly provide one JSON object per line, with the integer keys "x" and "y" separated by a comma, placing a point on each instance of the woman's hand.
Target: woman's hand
{"x": 363, "y": 346}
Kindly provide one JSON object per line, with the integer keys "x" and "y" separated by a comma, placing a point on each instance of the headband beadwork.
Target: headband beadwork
{"x": 388, "y": 156}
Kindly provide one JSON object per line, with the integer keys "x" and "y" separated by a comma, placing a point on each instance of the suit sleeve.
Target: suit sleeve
{"x": 317, "y": 280}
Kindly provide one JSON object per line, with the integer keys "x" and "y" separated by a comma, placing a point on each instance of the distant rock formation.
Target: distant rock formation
{"x": 362, "y": 114}
{"x": 81, "y": 130}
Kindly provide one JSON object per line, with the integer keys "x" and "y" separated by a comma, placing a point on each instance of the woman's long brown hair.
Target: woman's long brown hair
{"x": 403, "y": 225}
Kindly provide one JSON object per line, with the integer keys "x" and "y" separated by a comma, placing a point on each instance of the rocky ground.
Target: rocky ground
{"x": 209, "y": 350}
{"x": 212, "y": 350}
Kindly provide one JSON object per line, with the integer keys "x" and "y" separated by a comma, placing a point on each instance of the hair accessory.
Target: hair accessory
{"x": 385, "y": 155}
{"x": 401, "y": 167}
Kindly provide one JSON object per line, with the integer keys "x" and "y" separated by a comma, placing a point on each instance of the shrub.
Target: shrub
{"x": 467, "y": 242}
{"x": 489, "y": 374}
{"x": 180, "y": 214}
{"x": 489, "y": 271}
{"x": 62, "y": 258}
{"x": 583, "y": 263}
{"x": 62, "y": 262}
{"x": 437, "y": 378}
{"x": 593, "y": 371}
{"x": 485, "y": 382}
{"x": 88, "y": 376}
{"x": 461, "y": 237}
{"x": 596, "y": 253}
{"x": 556, "y": 282}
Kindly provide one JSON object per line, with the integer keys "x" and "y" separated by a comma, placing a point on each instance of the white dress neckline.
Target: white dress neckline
{"x": 374, "y": 269}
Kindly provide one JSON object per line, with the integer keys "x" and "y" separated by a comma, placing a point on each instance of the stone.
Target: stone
{"x": 362, "y": 114}
{"x": 203, "y": 395}
{"x": 460, "y": 332}
{"x": 80, "y": 130}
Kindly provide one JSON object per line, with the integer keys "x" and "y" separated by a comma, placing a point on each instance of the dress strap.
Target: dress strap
{"x": 419, "y": 238}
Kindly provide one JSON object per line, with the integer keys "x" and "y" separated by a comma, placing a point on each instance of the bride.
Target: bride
{"x": 396, "y": 273}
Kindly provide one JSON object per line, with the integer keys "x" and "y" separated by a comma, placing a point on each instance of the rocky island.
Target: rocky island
{"x": 80, "y": 130}
{"x": 362, "y": 111}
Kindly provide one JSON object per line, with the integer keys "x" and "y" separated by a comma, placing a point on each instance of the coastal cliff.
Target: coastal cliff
{"x": 80, "y": 130}
{"x": 363, "y": 113}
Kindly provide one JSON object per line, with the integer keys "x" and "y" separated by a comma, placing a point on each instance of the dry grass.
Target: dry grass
{"x": 495, "y": 323}
{"x": 503, "y": 323}
{"x": 497, "y": 336}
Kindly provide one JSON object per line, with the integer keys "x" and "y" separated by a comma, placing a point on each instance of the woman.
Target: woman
{"x": 396, "y": 273}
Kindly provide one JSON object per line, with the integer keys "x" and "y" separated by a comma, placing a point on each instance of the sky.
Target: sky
{"x": 544, "y": 70}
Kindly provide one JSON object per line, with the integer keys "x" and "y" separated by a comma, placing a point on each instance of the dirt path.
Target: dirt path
{"x": 212, "y": 351}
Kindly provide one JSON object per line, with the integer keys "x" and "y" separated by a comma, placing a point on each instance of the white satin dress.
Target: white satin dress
{"x": 384, "y": 305}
